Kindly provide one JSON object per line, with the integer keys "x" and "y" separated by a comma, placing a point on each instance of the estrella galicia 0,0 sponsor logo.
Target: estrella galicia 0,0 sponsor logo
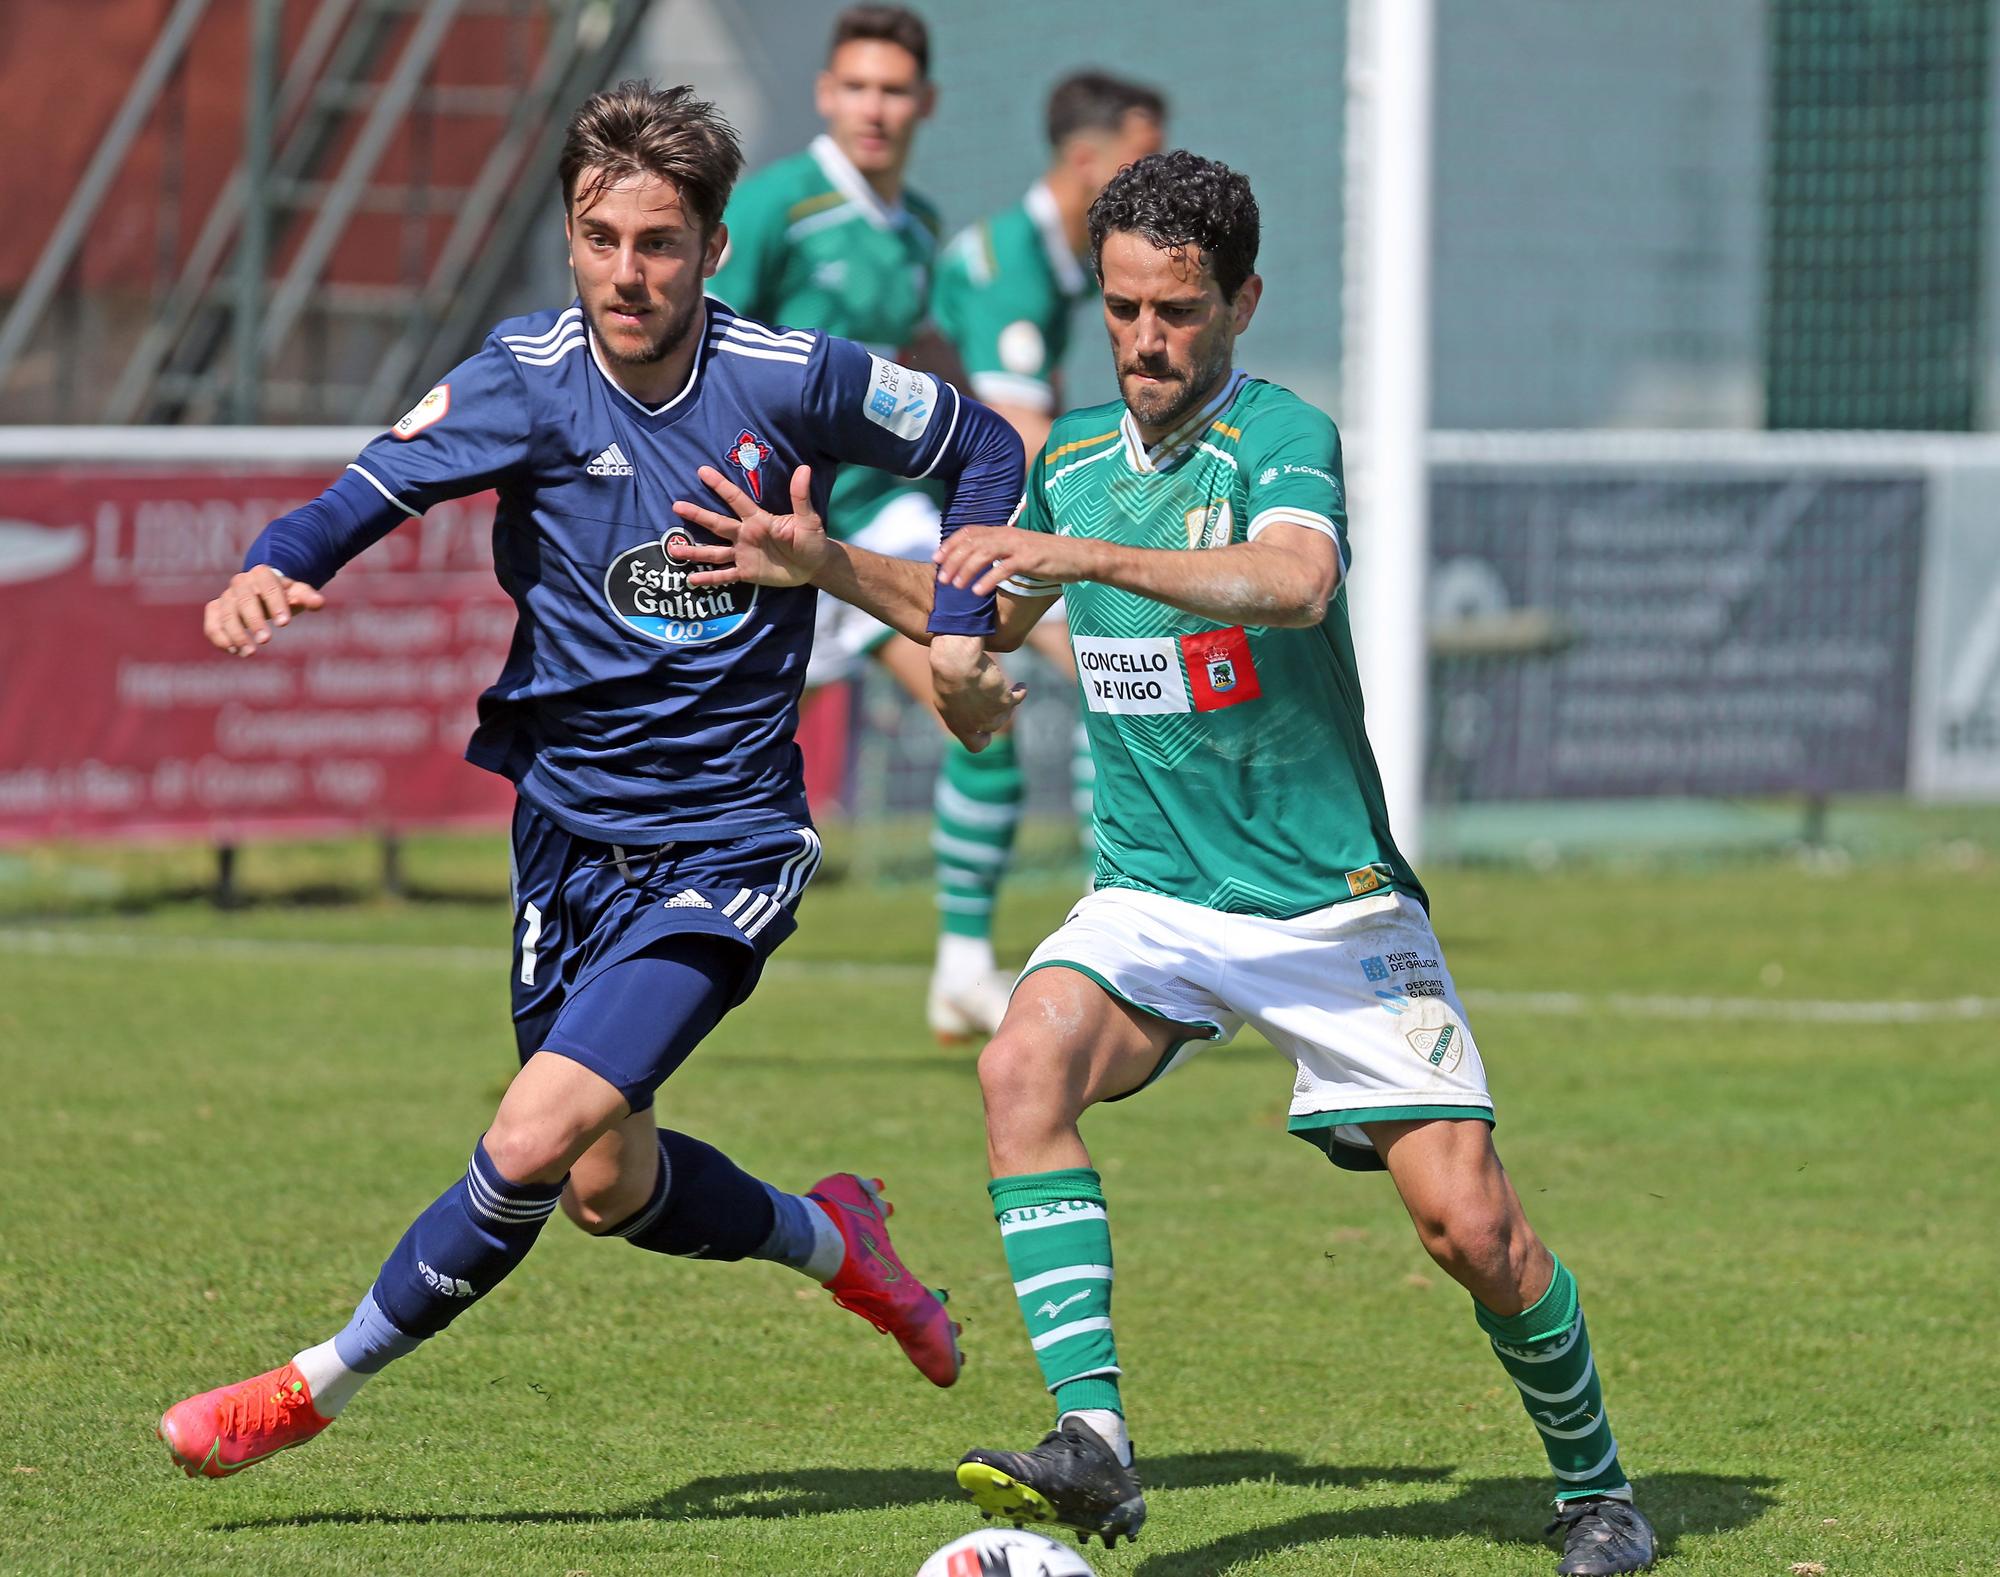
{"x": 650, "y": 593}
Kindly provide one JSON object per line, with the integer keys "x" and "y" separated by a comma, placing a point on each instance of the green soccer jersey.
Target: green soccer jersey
{"x": 811, "y": 246}
{"x": 1233, "y": 770}
{"x": 1006, "y": 291}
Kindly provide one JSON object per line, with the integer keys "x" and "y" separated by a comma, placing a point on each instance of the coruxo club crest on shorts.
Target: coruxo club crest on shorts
{"x": 1441, "y": 1048}
{"x": 650, "y": 593}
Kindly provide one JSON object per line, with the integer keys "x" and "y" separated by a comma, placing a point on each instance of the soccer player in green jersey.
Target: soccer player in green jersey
{"x": 1246, "y": 872}
{"x": 1008, "y": 287}
{"x": 1006, "y": 291}
{"x": 834, "y": 239}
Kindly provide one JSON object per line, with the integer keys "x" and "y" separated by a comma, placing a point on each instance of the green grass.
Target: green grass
{"x": 216, "y": 1123}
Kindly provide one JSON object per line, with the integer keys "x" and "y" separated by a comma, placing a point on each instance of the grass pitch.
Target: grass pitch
{"x": 1781, "y": 1214}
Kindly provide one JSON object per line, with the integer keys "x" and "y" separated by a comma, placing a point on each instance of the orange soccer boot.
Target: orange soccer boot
{"x": 223, "y": 1431}
{"x": 874, "y": 1283}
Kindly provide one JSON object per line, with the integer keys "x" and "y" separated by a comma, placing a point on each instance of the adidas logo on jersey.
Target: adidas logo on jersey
{"x": 687, "y": 898}
{"x": 611, "y": 463}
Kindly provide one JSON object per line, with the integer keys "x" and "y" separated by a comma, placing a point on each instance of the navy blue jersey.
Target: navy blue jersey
{"x": 634, "y": 707}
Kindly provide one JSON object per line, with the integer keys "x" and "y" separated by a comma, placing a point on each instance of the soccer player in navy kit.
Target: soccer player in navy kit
{"x": 661, "y": 840}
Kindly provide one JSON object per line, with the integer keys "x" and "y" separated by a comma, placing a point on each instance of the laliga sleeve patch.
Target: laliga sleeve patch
{"x": 427, "y": 412}
{"x": 1022, "y": 350}
{"x": 1220, "y": 669}
{"x": 898, "y": 399}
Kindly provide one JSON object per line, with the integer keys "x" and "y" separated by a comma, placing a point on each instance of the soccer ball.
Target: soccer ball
{"x": 1005, "y": 1552}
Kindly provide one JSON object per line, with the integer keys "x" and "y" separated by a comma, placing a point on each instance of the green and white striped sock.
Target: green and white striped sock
{"x": 1546, "y": 1352}
{"x": 977, "y": 806}
{"x": 1058, "y": 1245}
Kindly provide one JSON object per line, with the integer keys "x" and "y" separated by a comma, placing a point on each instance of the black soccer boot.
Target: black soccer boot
{"x": 1602, "y": 1536}
{"x": 1072, "y": 1478}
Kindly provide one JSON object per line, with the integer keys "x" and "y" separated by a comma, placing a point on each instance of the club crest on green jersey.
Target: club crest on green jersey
{"x": 1209, "y": 525}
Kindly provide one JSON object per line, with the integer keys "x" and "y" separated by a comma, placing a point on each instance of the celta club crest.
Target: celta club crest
{"x": 747, "y": 454}
{"x": 1221, "y": 672}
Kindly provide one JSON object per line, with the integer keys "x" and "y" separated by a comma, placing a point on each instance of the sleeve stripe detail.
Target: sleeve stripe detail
{"x": 573, "y": 318}
{"x": 370, "y": 478}
{"x": 824, "y": 219}
{"x": 957, "y": 405}
{"x": 1105, "y": 453}
{"x": 757, "y": 334}
{"x": 813, "y": 205}
{"x": 1014, "y": 389}
{"x": 1080, "y": 443}
{"x": 798, "y": 358}
{"x": 1286, "y": 515}
{"x": 552, "y": 355}
{"x": 1028, "y": 586}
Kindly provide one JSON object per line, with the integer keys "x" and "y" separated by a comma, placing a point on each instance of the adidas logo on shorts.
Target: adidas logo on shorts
{"x": 687, "y": 898}
{"x": 611, "y": 463}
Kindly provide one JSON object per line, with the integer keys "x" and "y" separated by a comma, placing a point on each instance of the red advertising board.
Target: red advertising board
{"x": 118, "y": 719}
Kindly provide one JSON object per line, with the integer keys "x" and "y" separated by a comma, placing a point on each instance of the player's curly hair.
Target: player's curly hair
{"x": 1178, "y": 200}
{"x": 637, "y": 129}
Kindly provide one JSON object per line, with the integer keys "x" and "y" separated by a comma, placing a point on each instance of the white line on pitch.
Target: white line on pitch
{"x": 1807, "y": 1010}
{"x": 107, "y": 944}
{"x": 1558, "y": 1004}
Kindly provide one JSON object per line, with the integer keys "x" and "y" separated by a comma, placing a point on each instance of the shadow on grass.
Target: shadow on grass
{"x": 144, "y": 903}
{"x": 809, "y": 1491}
{"x": 1499, "y": 1510}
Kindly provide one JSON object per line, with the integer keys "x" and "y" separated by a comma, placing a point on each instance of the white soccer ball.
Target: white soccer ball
{"x": 1005, "y": 1552}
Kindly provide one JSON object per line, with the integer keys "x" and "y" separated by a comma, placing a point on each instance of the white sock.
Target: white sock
{"x": 829, "y": 1250}
{"x": 964, "y": 957}
{"x": 331, "y": 1382}
{"x": 1110, "y": 1429}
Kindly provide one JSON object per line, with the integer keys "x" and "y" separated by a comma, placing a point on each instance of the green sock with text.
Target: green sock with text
{"x": 1058, "y": 1245}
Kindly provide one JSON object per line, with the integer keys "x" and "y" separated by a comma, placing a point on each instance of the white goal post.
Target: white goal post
{"x": 1385, "y": 381}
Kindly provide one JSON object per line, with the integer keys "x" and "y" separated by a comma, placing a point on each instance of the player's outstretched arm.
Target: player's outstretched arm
{"x": 1284, "y": 579}
{"x": 974, "y": 696}
{"x": 763, "y": 549}
{"x": 294, "y": 556}
{"x": 256, "y": 601}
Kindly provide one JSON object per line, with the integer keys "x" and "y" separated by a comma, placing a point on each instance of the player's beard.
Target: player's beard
{"x": 1162, "y": 405}
{"x": 669, "y": 339}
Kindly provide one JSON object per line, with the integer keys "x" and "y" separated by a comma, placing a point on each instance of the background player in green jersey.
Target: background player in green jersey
{"x": 1007, "y": 288}
{"x": 832, "y": 239}
{"x": 1246, "y": 871}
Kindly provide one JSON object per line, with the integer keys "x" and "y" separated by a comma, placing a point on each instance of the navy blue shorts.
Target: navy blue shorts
{"x": 602, "y": 934}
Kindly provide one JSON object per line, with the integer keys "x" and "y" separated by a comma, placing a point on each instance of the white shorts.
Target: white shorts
{"x": 905, "y": 527}
{"x": 1357, "y": 995}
